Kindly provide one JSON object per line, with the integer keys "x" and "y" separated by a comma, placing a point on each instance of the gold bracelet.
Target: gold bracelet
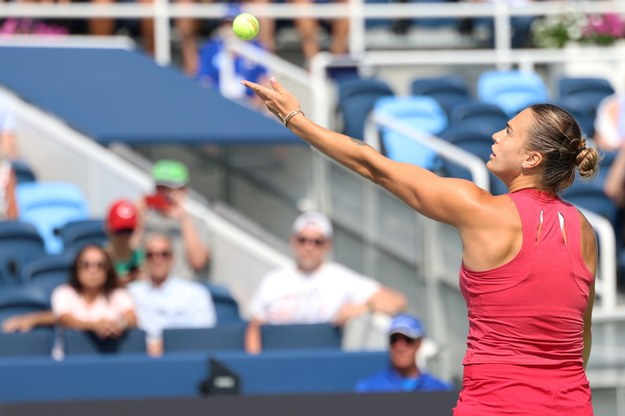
{"x": 291, "y": 115}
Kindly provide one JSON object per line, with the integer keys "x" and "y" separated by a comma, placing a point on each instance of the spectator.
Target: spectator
{"x": 164, "y": 212}
{"x": 308, "y": 29}
{"x": 166, "y": 301}
{"x": 405, "y": 336}
{"x": 93, "y": 300}
{"x": 610, "y": 122}
{"x": 120, "y": 225}
{"x": 211, "y": 61}
{"x": 8, "y": 201}
{"x": 315, "y": 290}
{"x": 8, "y": 152}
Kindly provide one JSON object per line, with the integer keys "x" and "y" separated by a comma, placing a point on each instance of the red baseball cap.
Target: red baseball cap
{"x": 122, "y": 216}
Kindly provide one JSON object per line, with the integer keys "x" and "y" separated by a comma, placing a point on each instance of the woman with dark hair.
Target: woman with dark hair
{"x": 92, "y": 299}
{"x": 528, "y": 258}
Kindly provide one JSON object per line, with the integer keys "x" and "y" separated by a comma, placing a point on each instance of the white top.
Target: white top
{"x": 288, "y": 296}
{"x": 176, "y": 303}
{"x": 7, "y": 116}
{"x": 65, "y": 300}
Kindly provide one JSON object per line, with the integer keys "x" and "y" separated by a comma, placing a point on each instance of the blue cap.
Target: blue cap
{"x": 407, "y": 325}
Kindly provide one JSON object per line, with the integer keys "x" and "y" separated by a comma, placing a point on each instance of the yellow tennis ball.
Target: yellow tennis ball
{"x": 245, "y": 26}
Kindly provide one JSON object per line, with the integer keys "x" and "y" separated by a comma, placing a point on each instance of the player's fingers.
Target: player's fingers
{"x": 276, "y": 85}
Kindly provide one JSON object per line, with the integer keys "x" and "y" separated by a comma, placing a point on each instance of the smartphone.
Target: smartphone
{"x": 158, "y": 202}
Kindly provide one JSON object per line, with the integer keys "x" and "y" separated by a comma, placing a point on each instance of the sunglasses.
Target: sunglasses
{"x": 396, "y": 337}
{"x": 164, "y": 254}
{"x": 318, "y": 242}
{"x": 99, "y": 265}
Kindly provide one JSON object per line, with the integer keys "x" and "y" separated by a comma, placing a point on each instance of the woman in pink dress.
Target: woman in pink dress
{"x": 528, "y": 258}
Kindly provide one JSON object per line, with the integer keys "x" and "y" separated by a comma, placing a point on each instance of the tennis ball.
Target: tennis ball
{"x": 245, "y": 26}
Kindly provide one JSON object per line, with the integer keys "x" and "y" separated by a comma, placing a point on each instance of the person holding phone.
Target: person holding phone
{"x": 164, "y": 212}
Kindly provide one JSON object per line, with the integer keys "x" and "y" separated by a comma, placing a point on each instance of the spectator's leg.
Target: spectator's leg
{"x": 340, "y": 33}
{"x": 267, "y": 32}
{"x": 188, "y": 28}
{"x": 307, "y": 28}
{"x": 147, "y": 31}
{"x": 102, "y": 26}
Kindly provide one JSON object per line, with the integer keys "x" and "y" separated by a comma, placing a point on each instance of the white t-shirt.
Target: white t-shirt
{"x": 176, "y": 303}
{"x": 65, "y": 300}
{"x": 288, "y": 296}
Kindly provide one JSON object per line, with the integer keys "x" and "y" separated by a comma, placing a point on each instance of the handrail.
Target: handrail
{"x": 475, "y": 165}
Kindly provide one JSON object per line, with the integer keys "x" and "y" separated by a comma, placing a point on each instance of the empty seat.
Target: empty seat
{"x": 49, "y": 206}
{"x": 220, "y": 338}
{"x": 300, "y": 336}
{"x": 589, "y": 194}
{"x": 47, "y": 272}
{"x": 356, "y": 98}
{"x": 422, "y": 113}
{"x": 37, "y": 342}
{"x": 21, "y": 300}
{"x": 593, "y": 89}
{"x": 19, "y": 243}
{"x": 512, "y": 90}
{"x": 449, "y": 91}
{"x": 88, "y": 343}
{"x": 481, "y": 113}
{"x": 226, "y": 307}
{"x": 76, "y": 234}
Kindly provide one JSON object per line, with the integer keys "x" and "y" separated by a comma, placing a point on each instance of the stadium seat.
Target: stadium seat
{"x": 47, "y": 272}
{"x": 300, "y": 336}
{"x": 482, "y": 113}
{"x": 356, "y": 97}
{"x": 49, "y": 206}
{"x": 226, "y": 307}
{"x": 449, "y": 91}
{"x": 87, "y": 343}
{"x": 76, "y": 234}
{"x": 512, "y": 90}
{"x": 19, "y": 243}
{"x": 21, "y": 300}
{"x": 421, "y": 112}
{"x": 588, "y": 194}
{"x": 585, "y": 117}
{"x": 23, "y": 172}
{"x": 37, "y": 342}
{"x": 476, "y": 139}
{"x": 219, "y": 338}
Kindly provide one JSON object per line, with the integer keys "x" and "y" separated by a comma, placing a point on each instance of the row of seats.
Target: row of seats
{"x": 223, "y": 337}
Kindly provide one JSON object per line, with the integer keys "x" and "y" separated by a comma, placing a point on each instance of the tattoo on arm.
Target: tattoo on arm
{"x": 358, "y": 142}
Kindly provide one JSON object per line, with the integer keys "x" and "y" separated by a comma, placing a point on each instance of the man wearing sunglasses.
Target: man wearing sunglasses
{"x": 402, "y": 374}
{"x": 314, "y": 290}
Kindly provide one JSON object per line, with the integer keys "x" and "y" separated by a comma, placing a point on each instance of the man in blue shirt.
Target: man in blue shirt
{"x": 402, "y": 374}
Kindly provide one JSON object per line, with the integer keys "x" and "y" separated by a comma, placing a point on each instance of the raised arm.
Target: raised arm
{"x": 443, "y": 199}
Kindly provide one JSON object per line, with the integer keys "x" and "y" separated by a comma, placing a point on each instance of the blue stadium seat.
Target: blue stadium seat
{"x": 226, "y": 307}
{"x": 19, "y": 243}
{"x": 593, "y": 89}
{"x": 449, "y": 91}
{"x": 23, "y": 172}
{"x": 585, "y": 117}
{"x": 421, "y": 112}
{"x": 476, "y": 139}
{"x": 87, "y": 343}
{"x": 76, "y": 234}
{"x": 37, "y": 342}
{"x": 49, "y": 206}
{"x": 220, "y": 338}
{"x": 302, "y": 371}
{"x": 47, "y": 272}
{"x": 356, "y": 97}
{"x": 300, "y": 336}
{"x": 588, "y": 194}
{"x": 512, "y": 90}
{"x": 482, "y": 113}
{"x": 21, "y": 300}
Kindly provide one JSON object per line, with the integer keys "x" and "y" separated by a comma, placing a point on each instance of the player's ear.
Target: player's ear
{"x": 532, "y": 160}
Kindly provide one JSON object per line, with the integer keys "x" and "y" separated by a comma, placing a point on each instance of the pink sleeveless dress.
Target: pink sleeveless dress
{"x": 525, "y": 341}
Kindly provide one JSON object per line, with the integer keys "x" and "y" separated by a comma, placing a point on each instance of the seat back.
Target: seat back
{"x": 21, "y": 300}
{"x": 589, "y": 194}
{"x": 591, "y": 89}
{"x": 19, "y": 243}
{"x": 481, "y": 113}
{"x": 226, "y": 307}
{"x": 226, "y": 337}
{"x": 449, "y": 91}
{"x": 425, "y": 115}
{"x": 88, "y": 343}
{"x": 46, "y": 273}
{"x": 49, "y": 206}
{"x": 300, "y": 336}
{"x": 512, "y": 90}
{"x": 77, "y": 234}
{"x": 356, "y": 98}
{"x": 37, "y": 342}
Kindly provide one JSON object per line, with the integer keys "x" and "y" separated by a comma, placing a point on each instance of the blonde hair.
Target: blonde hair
{"x": 555, "y": 134}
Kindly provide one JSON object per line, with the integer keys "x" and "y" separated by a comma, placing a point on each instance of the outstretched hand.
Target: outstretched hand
{"x": 277, "y": 99}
